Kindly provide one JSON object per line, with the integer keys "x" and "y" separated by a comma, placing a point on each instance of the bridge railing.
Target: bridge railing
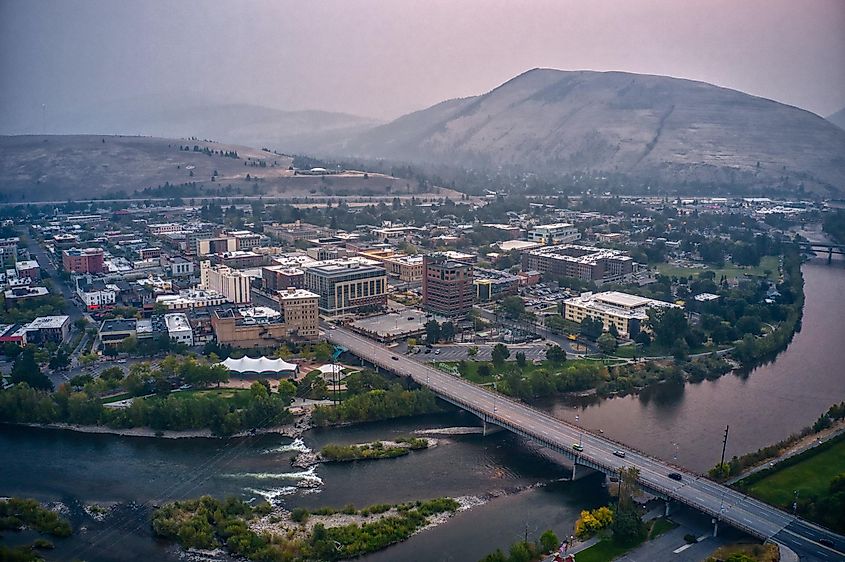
{"x": 498, "y": 420}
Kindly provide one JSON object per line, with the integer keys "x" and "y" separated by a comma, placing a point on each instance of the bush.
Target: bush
{"x": 299, "y": 515}
{"x": 690, "y": 538}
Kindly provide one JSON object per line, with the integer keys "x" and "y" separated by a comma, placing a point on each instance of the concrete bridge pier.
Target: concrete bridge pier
{"x": 666, "y": 508}
{"x": 574, "y": 466}
{"x": 715, "y": 528}
{"x": 830, "y": 255}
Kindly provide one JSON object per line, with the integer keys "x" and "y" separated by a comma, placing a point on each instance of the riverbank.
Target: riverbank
{"x": 292, "y": 430}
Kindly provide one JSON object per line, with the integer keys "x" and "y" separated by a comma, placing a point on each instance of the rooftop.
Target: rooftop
{"x": 48, "y": 322}
{"x": 118, "y": 325}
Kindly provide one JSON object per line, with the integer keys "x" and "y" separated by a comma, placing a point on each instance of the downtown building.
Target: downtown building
{"x": 447, "y": 286}
{"x": 581, "y": 262}
{"x": 347, "y": 286}
{"x": 87, "y": 260}
{"x": 234, "y": 285}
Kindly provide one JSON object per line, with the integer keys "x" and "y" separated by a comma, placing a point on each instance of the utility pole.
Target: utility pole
{"x": 724, "y": 445}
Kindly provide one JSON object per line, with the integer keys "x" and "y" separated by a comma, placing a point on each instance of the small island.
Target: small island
{"x": 263, "y": 532}
{"x": 375, "y": 450}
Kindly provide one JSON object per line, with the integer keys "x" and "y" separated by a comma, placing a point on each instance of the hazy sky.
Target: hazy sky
{"x": 383, "y": 58}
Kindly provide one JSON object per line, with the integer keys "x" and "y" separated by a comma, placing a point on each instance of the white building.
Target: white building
{"x": 191, "y": 298}
{"x": 231, "y": 283}
{"x": 95, "y": 293}
{"x": 179, "y": 329}
{"x": 627, "y": 312}
{"x": 558, "y": 233}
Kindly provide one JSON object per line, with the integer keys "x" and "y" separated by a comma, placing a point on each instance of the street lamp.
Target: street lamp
{"x": 580, "y": 435}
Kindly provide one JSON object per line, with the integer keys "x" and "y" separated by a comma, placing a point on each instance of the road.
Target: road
{"x": 46, "y": 264}
{"x": 735, "y": 508}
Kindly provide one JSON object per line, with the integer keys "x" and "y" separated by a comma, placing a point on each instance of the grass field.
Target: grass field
{"x": 216, "y": 392}
{"x": 471, "y": 372}
{"x": 606, "y": 550}
{"x": 810, "y": 476}
{"x": 767, "y": 263}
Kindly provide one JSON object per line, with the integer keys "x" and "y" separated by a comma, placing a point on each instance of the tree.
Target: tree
{"x": 26, "y": 369}
{"x": 447, "y": 331}
{"x": 591, "y": 328}
{"x": 555, "y": 354}
{"x": 432, "y": 331}
{"x": 521, "y": 360}
{"x": 668, "y": 324}
{"x": 60, "y": 360}
{"x": 472, "y": 351}
{"x": 549, "y": 541}
{"x": 323, "y": 351}
{"x": 513, "y": 306}
{"x": 680, "y": 350}
{"x": 484, "y": 371}
{"x": 500, "y": 354}
{"x": 607, "y": 343}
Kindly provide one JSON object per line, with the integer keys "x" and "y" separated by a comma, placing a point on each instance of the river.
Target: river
{"x": 679, "y": 424}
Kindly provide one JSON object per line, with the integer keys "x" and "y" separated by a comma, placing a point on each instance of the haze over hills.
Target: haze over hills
{"x": 838, "y": 118}
{"x": 170, "y": 116}
{"x": 68, "y": 167}
{"x": 651, "y": 127}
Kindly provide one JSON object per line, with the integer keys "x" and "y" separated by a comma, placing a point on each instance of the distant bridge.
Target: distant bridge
{"x": 720, "y": 502}
{"x": 822, "y": 247}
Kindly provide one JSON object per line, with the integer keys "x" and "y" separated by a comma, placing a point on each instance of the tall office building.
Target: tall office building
{"x": 347, "y": 286}
{"x": 231, "y": 283}
{"x": 447, "y": 286}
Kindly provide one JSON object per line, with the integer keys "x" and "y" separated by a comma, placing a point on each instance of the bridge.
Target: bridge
{"x": 721, "y": 503}
{"x": 822, "y": 247}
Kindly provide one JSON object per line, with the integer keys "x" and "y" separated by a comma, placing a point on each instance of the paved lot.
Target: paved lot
{"x": 485, "y": 352}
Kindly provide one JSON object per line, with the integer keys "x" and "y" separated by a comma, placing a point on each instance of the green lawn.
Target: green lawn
{"x": 767, "y": 263}
{"x": 810, "y": 476}
{"x": 215, "y": 392}
{"x": 471, "y": 372}
{"x": 603, "y": 551}
{"x": 606, "y": 550}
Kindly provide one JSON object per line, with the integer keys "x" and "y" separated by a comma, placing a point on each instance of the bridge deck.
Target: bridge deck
{"x": 723, "y": 503}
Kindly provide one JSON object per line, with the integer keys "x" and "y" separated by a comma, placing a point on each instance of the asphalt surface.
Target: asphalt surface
{"x": 485, "y": 352}
{"x": 734, "y": 508}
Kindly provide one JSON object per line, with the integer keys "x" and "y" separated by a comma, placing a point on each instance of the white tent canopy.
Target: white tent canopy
{"x": 262, "y": 365}
{"x": 328, "y": 369}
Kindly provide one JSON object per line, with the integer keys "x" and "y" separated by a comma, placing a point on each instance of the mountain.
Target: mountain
{"x": 838, "y": 118}
{"x": 657, "y": 128}
{"x": 170, "y": 116}
{"x": 74, "y": 167}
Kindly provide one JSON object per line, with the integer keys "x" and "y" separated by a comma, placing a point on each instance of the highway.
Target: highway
{"x": 727, "y": 505}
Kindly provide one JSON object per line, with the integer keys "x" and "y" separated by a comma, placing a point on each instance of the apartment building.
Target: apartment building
{"x": 234, "y": 285}
{"x": 582, "y": 262}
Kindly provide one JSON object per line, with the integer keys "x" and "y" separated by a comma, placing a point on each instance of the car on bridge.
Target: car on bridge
{"x": 675, "y": 476}
{"x": 577, "y": 447}
{"x": 619, "y": 453}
